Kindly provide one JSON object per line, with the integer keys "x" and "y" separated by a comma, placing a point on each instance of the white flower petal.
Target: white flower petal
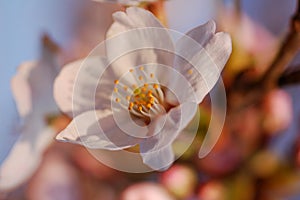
{"x": 84, "y": 85}
{"x": 202, "y": 65}
{"x": 126, "y": 2}
{"x": 32, "y": 86}
{"x": 137, "y": 38}
{"x": 25, "y": 157}
{"x": 202, "y": 34}
{"x": 97, "y": 130}
{"x": 156, "y": 151}
{"x": 160, "y": 159}
{"x": 21, "y": 88}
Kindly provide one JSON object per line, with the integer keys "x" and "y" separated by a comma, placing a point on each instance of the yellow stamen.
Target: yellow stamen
{"x": 144, "y": 89}
{"x": 131, "y": 70}
{"x": 190, "y": 72}
{"x": 116, "y": 90}
{"x": 125, "y": 88}
{"x": 140, "y": 108}
{"x": 118, "y": 100}
{"x": 140, "y": 78}
{"x": 149, "y": 105}
{"x": 151, "y": 75}
{"x": 131, "y": 104}
{"x": 155, "y": 86}
{"x": 128, "y": 98}
{"x": 141, "y": 68}
{"x": 116, "y": 82}
{"x": 151, "y": 100}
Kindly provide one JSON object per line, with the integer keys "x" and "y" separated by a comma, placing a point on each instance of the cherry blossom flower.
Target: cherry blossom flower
{"x": 144, "y": 96}
{"x": 146, "y": 190}
{"x": 127, "y": 2}
{"x": 31, "y": 87}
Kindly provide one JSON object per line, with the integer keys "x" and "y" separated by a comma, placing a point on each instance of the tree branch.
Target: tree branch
{"x": 252, "y": 92}
{"x": 290, "y": 78}
{"x": 287, "y": 52}
{"x": 158, "y": 9}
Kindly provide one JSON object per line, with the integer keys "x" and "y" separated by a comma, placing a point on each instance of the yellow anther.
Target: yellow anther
{"x": 141, "y": 68}
{"x": 115, "y": 89}
{"x": 155, "y": 86}
{"x": 131, "y": 104}
{"x": 140, "y": 78}
{"x": 151, "y": 100}
{"x": 140, "y": 108}
{"x": 131, "y": 70}
{"x": 190, "y": 72}
{"x": 149, "y": 105}
{"x": 151, "y": 75}
{"x": 144, "y": 89}
{"x": 128, "y": 98}
{"x": 118, "y": 100}
{"x": 146, "y": 85}
{"x": 125, "y": 88}
{"x": 143, "y": 95}
{"x": 134, "y": 86}
{"x": 116, "y": 82}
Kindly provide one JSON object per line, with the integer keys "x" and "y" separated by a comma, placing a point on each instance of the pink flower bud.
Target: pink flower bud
{"x": 278, "y": 111}
{"x": 146, "y": 191}
{"x": 180, "y": 180}
{"x": 212, "y": 190}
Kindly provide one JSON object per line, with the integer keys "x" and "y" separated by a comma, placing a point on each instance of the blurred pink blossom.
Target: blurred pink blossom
{"x": 146, "y": 191}
{"x": 180, "y": 180}
{"x": 278, "y": 111}
{"x": 32, "y": 88}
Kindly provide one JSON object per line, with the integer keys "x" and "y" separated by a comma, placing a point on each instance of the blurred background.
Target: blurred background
{"x": 77, "y": 26}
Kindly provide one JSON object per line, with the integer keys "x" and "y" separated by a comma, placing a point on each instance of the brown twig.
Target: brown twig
{"x": 248, "y": 93}
{"x": 290, "y": 78}
{"x": 286, "y": 54}
{"x": 158, "y": 9}
{"x": 238, "y": 6}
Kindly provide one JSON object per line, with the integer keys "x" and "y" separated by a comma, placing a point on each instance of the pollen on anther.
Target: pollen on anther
{"x": 190, "y": 72}
{"x": 151, "y": 100}
{"x": 140, "y": 78}
{"x": 131, "y": 70}
{"x": 141, "y": 68}
{"x": 131, "y": 105}
{"x": 140, "y": 108}
{"x": 134, "y": 86}
{"x": 116, "y": 82}
{"x": 144, "y": 89}
{"x": 116, "y": 90}
{"x": 118, "y": 100}
{"x": 151, "y": 75}
{"x": 155, "y": 86}
{"x": 149, "y": 105}
{"x": 125, "y": 88}
{"x": 128, "y": 98}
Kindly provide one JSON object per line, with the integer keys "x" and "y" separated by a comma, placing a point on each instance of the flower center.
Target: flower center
{"x": 145, "y": 100}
